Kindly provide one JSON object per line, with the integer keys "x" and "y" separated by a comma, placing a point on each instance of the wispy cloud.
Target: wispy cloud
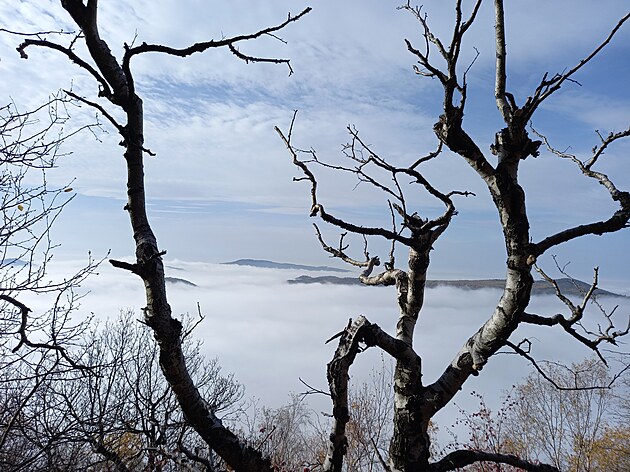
{"x": 222, "y": 175}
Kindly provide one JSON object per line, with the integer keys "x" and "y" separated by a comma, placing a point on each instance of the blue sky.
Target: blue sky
{"x": 220, "y": 187}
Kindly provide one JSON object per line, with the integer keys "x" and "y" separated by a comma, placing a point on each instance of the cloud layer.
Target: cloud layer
{"x": 270, "y": 333}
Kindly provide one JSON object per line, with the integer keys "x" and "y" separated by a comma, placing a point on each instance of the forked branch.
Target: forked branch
{"x": 388, "y": 277}
{"x": 25, "y": 341}
{"x": 569, "y": 324}
{"x": 365, "y": 157}
{"x": 525, "y": 352}
{"x": 361, "y": 331}
{"x": 229, "y": 42}
{"x": 548, "y": 86}
{"x": 318, "y": 208}
{"x": 619, "y": 220}
{"x": 70, "y": 54}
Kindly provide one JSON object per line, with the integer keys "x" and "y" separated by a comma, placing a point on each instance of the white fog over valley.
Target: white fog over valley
{"x": 270, "y": 333}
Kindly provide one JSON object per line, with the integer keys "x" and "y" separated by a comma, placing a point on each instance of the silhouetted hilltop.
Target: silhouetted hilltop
{"x": 13, "y": 262}
{"x": 569, "y": 287}
{"x": 178, "y": 281}
{"x": 283, "y": 265}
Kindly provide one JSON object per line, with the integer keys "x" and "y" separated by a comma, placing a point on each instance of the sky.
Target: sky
{"x": 220, "y": 186}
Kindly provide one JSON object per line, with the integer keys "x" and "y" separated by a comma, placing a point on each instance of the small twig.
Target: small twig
{"x": 110, "y": 118}
{"x": 521, "y": 352}
{"x": 311, "y": 390}
{"x": 379, "y": 455}
{"x": 25, "y": 341}
{"x": 197, "y": 323}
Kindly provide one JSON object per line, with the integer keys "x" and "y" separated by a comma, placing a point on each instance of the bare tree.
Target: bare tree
{"x": 558, "y": 414}
{"x": 487, "y": 431}
{"x": 120, "y": 414}
{"x": 117, "y": 89}
{"x": 288, "y": 435}
{"x": 295, "y": 437}
{"x": 562, "y": 426}
{"x": 125, "y": 411}
{"x": 35, "y": 346}
{"x": 370, "y": 425}
{"x": 30, "y": 145}
{"x": 416, "y": 402}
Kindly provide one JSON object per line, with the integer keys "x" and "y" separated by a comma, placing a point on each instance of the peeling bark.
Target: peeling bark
{"x": 414, "y": 403}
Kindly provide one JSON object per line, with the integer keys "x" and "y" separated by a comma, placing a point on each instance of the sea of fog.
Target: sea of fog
{"x": 270, "y": 333}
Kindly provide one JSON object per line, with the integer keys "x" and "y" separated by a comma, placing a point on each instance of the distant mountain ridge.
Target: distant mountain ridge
{"x": 569, "y": 287}
{"x": 9, "y": 261}
{"x": 177, "y": 280}
{"x": 282, "y": 265}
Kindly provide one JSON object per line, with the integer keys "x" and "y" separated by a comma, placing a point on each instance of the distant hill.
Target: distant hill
{"x": 178, "y": 281}
{"x": 283, "y": 265}
{"x": 574, "y": 288}
{"x": 325, "y": 279}
{"x": 13, "y": 262}
{"x": 174, "y": 268}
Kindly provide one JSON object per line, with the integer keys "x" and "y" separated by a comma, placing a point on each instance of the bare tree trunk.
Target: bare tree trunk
{"x": 414, "y": 403}
{"x": 409, "y": 448}
{"x": 167, "y": 330}
{"x": 116, "y": 84}
{"x": 410, "y": 444}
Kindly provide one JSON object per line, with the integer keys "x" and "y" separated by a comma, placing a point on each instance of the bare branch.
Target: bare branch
{"x": 110, "y": 118}
{"x": 247, "y": 58}
{"x": 133, "y": 268}
{"x": 500, "y": 79}
{"x": 518, "y": 349}
{"x": 456, "y": 43}
{"x": 424, "y": 62}
{"x": 105, "y": 91}
{"x": 547, "y": 87}
{"x": 428, "y": 156}
{"x": 619, "y": 220}
{"x": 457, "y": 459}
{"x": 317, "y": 208}
{"x": 387, "y": 277}
{"x": 311, "y": 390}
{"x": 473, "y": 15}
{"x": 419, "y": 178}
{"x": 25, "y": 341}
{"x": 577, "y": 313}
{"x": 307, "y": 172}
{"x": 229, "y": 42}
{"x": 598, "y": 151}
{"x": 428, "y": 37}
{"x": 37, "y": 34}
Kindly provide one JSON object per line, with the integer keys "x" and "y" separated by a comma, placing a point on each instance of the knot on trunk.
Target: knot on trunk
{"x": 514, "y": 143}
